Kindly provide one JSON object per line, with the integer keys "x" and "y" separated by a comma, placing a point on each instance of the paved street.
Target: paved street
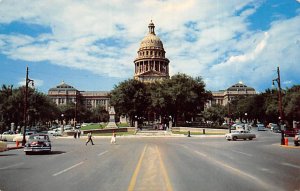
{"x": 139, "y": 163}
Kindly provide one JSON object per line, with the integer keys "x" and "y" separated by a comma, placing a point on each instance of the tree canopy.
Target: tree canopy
{"x": 179, "y": 97}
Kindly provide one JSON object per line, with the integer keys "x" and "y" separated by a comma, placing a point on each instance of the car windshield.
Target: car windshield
{"x": 39, "y": 137}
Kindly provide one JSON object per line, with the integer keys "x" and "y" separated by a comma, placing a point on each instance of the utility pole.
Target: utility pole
{"x": 75, "y": 120}
{"x": 27, "y": 81}
{"x": 280, "y": 105}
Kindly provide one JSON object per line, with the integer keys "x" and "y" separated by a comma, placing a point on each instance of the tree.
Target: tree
{"x": 130, "y": 98}
{"x": 99, "y": 114}
{"x": 187, "y": 96}
{"x": 292, "y": 104}
{"x": 215, "y": 113}
{"x": 40, "y": 107}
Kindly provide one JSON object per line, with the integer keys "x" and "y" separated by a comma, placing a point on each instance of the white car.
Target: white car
{"x": 55, "y": 132}
{"x": 8, "y": 136}
{"x": 19, "y": 137}
{"x": 241, "y": 134}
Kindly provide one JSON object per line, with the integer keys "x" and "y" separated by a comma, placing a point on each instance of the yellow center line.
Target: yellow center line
{"x": 164, "y": 171}
{"x": 136, "y": 171}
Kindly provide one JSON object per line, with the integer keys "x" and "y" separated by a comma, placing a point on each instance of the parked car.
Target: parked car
{"x": 275, "y": 128}
{"x": 240, "y": 134}
{"x": 8, "y": 136}
{"x": 55, "y": 132}
{"x": 68, "y": 127}
{"x": 38, "y": 143}
{"x": 19, "y": 136}
{"x": 261, "y": 127}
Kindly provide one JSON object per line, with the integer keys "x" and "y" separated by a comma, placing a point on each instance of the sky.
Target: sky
{"x": 91, "y": 45}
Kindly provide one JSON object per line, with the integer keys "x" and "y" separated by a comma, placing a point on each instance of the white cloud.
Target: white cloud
{"x": 222, "y": 49}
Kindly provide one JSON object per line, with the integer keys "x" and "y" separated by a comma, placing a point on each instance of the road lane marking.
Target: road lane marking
{"x": 136, "y": 171}
{"x": 102, "y": 153}
{"x": 165, "y": 174}
{"x": 67, "y": 169}
{"x": 290, "y": 165}
{"x": 238, "y": 171}
{"x": 249, "y": 155}
{"x": 232, "y": 169}
{"x": 202, "y": 154}
{"x": 18, "y": 164}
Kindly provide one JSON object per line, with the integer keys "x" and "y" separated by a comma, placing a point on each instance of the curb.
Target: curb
{"x": 13, "y": 148}
{"x": 157, "y": 136}
{"x": 290, "y": 147}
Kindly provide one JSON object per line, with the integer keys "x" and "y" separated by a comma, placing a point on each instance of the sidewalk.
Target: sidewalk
{"x": 12, "y": 145}
{"x": 5, "y": 146}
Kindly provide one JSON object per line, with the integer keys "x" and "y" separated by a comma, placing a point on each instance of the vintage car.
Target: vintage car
{"x": 261, "y": 127}
{"x": 8, "y": 136}
{"x": 55, "y": 132}
{"x": 240, "y": 134}
{"x": 37, "y": 143}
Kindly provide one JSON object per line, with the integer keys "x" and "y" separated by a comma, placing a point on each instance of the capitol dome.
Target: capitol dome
{"x": 151, "y": 64}
{"x": 151, "y": 40}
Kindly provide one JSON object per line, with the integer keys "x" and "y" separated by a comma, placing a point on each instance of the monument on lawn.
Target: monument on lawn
{"x": 112, "y": 122}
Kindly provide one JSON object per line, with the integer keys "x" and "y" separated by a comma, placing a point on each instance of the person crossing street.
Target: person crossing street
{"x": 89, "y": 138}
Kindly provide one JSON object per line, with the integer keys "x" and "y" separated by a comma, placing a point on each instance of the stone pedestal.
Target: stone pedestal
{"x": 112, "y": 122}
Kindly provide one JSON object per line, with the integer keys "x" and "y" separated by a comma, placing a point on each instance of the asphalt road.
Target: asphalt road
{"x": 169, "y": 163}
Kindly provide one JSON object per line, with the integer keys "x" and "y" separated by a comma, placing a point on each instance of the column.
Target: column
{"x": 159, "y": 66}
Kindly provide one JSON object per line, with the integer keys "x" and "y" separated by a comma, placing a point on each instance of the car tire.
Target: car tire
{"x": 234, "y": 138}
{"x": 250, "y": 138}
{"x": 27, "y": 152}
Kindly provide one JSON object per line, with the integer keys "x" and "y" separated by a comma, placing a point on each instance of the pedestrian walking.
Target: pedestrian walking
{"x": 113, "y": 138}
{"x": 75, "y": 135}
{"x": 79, "y": 132}
{"x": 89, "y": 138}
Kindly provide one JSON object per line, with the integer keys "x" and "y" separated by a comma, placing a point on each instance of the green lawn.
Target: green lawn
{"x": 122, "y": 125}
{"x": 93, "y": 126}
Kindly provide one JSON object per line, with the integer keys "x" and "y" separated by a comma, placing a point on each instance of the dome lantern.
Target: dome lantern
{"x": 151, "y": 28}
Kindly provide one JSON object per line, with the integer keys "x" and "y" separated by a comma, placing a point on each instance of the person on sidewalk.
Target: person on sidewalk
{"x": 79, "y": 132}
{"x": 113, "y": 138}
{"x": 89, "y": 138}
{"x": 75, "y": 135}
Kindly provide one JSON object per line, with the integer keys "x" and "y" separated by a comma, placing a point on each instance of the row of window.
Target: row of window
{"x": 151, "y": 53}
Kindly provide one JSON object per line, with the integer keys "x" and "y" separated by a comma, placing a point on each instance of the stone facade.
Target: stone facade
{"x": 151, "y": 64}
{"x": 64, "y": 93}
{"x": 222, "y": 97}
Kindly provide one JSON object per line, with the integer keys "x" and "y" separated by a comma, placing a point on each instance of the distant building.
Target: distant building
{"x": 64, "y": 93}
{"x": 151, "y": 64}
{"x": 222, "y": 97}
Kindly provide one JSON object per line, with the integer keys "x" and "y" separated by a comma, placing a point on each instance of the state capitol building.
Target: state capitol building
{"x": 149, "y": 66}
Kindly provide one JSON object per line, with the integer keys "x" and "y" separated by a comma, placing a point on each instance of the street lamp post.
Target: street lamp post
{"x": 280, "y": 104}
{"x": 27, "y": 81}
{"x": 62, "y": 121}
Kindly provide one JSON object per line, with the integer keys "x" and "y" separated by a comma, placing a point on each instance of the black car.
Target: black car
{"x": 38, "y": 143}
